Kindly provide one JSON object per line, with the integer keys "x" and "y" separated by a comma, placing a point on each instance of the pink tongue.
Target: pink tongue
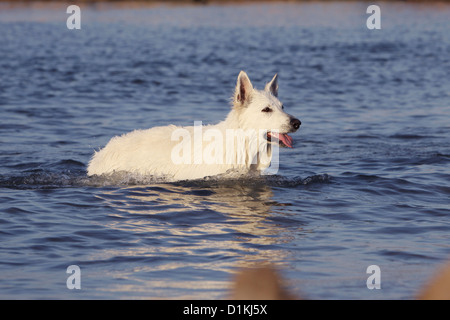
{"x": 287, "y": 140}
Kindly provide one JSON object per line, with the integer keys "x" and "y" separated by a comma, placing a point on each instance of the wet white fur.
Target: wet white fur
{"x": 149, "y": 152}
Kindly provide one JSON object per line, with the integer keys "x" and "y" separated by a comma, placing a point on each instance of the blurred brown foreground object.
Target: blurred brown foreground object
{"x": 439, "y": 286}
{"x": 265, "y": 284}
{"x": 259, "y": 284}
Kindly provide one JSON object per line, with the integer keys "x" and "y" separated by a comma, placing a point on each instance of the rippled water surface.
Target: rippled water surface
{"x": 367, "y": 181}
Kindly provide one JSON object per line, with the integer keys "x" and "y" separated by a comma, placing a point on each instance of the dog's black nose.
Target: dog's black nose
{"x": 295, "y": 123}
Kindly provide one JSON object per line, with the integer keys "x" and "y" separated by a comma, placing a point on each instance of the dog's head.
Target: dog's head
{"x": 261, "y": 110}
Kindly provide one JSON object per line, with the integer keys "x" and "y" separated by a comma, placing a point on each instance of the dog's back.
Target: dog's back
{"x": 177, "y": 153}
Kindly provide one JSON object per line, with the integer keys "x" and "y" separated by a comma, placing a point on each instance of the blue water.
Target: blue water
{"x": 367, "y": 181}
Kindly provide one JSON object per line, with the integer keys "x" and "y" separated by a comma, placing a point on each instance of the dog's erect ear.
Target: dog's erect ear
{"x": 244, "y": 89}
{"x": 272, "y": 86}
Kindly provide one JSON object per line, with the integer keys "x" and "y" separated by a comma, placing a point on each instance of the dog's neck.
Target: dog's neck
{"x": 253, "y": 157}
{"x": 233, "y": 121}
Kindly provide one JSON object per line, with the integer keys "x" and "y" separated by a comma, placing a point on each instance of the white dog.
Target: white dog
{"x": 242, "y": 142}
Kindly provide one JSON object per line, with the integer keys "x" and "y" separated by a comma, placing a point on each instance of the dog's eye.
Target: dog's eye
{"x": 266, "y": 109}
{"x": 282, "y": 107}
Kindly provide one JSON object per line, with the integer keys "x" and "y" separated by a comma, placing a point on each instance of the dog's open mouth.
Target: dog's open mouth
{"x": 284, "y": 139}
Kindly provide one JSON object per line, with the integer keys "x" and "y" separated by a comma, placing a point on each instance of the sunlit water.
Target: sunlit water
{"x": 367, "y": 181}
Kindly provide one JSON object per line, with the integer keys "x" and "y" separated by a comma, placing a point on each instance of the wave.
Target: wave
{"x": 71, "y": 173}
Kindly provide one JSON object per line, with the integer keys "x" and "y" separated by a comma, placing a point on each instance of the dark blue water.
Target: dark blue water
{"x": 367, "y": 182}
